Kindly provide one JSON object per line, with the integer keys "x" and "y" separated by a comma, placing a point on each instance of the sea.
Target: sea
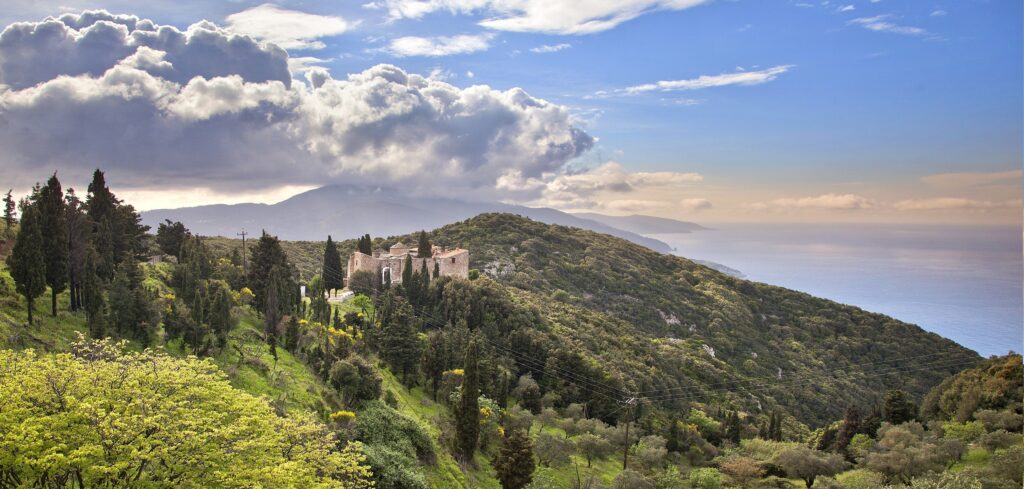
{"x": 962, "y": 282}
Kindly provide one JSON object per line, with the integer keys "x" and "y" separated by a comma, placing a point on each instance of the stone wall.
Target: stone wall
{"x": 454, "y": 263}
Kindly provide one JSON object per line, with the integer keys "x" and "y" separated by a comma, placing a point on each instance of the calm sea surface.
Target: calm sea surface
{"x": 962, "y": 282}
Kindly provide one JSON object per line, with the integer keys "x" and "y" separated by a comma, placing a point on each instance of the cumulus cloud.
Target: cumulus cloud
{"x": 954, "y": 203}
{"x": 439, "y": 46}
{"x": 745, "y": 78}
{"x": 165, "y": 108}
{"x": 550, "y": 48}
{"x": 94, "y": 42}
{"x": 544, "y": 16}
{"x": 883, "y": 23}
{"x": 290, "y": 29}
{"x": 824, "y": 201}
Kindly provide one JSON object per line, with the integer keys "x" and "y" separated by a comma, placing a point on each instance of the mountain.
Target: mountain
{"x": 683, "y": 332}
{"x": 643, "y": 224}
{"x": 349, "y": 212}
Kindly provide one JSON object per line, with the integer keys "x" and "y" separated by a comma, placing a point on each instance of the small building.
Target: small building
{"x": 449, "y": 263}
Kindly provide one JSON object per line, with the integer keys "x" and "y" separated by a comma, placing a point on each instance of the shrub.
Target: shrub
{"x": 965, "y": 432}
{"x": 705, "y": 478}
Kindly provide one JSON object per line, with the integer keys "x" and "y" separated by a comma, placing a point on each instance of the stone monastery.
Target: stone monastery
{"x": 453, "y": 262}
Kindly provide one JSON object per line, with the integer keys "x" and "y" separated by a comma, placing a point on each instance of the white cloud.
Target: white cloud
{"x": 954, "y": 204}
{"x": 744, "y": 78}
{"x": 550, "y": 48}
{"x": 470, "y": 75}
{"x": 824, "y": 201}
{"x": 966, "y": 180}
{"x": 289, "y": 29}
{"x": 882, "y": 23}
{"x": 298, "y": 65}
{"x": 439, "y": 46}
{"x": 938, "y": 13}
{"x": 544, "y": 16}
{"x": 696, "y": 204}
{"x": 229, "y": 113}
{"x": 846, "y": 8}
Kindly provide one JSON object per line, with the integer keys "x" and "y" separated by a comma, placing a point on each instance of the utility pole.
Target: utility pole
{"x": 245, "y": 269}
{"x": 631, "y": 403}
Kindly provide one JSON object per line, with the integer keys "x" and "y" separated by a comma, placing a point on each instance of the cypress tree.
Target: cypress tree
{"x": 332, "y": 266}
{"x": 220, "y": 320}
{"x": 424, "y": 249}
{"x": 365, "y": 245}
{"x": 851, "y": 426}
{"x": 467, "y": 418}
{"x": 514, "y": 464}
{"x": 9, "y": 214}
{"x": 92, "y": 297}
{"x": 732, "y": 430}
{"x": 291, "y": 335}
{"x": 437, "y": 270}
{"x": 50, "y": 203}
{"x": 272, "y": 311}
{"x": 79, "y": 228}
{"x": 27, "y": 263}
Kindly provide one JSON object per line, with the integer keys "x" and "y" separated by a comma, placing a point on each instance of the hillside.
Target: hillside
{"x": 657, "y": 318}
{"x": 644, "y": 224}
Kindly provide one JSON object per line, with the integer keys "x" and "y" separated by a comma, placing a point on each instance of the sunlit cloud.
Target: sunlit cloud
{"x": 289, "y": 29}
{"x": 741, "y": 78}
{"x": 439, "y": 46}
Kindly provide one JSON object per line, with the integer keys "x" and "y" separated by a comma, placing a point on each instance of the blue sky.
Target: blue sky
{"x": 806, "y": 110}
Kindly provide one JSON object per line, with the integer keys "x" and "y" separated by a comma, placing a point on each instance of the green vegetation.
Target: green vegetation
{"x": 569, "y": 359}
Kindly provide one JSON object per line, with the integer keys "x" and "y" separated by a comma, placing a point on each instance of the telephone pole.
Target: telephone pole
{"x": 631, "y": 403}
{"x": 245, "y": 269}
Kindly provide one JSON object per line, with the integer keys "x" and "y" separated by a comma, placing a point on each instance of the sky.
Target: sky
{"x": 703, "y": 110}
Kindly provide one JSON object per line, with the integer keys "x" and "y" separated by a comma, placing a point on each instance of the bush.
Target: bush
{"x": 552, "y": 451}
{"x": 1000, "y": 439}
{"x": 629, "y": 479}
{"x": 705, "y": 478}
{"x": 861, "y": 479}
{"x": 965, "y": 432}
{"x": 394, "y": 443}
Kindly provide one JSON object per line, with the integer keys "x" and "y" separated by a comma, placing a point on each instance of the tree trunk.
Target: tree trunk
{"x": 29, "y": 299}
{"x": 809, "y": 481}
{"x": 53, "y": 302}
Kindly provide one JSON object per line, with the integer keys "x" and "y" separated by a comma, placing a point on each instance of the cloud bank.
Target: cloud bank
{"x": 164, "y": 108}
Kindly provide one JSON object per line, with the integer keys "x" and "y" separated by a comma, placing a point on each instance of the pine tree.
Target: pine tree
{"x": 50, "y": 204}
{"x": 171, "y": 236}
{"x": 9, "y": 214}
{"x": 514, "y": 464}
{"x": 332, "y": 276}
{"x": 27, "y": 263}
{"x": 467, "y": 418}
{"x": 425, "y": 249}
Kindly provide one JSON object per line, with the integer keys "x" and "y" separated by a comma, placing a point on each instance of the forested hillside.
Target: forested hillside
{"x": 567, "y": 359}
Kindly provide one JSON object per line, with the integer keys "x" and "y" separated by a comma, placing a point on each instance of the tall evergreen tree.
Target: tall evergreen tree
{"x": 399, "y": 342}
{"x": 9, "y": 214}
{"x": 291, "y": 334}
{"x": 93, "y": 300}
{"x": 514, "y": 464}
{"x": 425, "y": 249}
{"x": 272, "y": 311}
{"x": 897, "y": 408}
{"x": 365, "y": 245}
{"x": 733, "y": 427}
{"x": 79, "y": 229}
{"x": 50, "y": 204}
{"x": 171, "y": 236}
{"x": 467, "y": 416}
{"x": 332, "y": 275}
{"x": 267, "y": 256}
{"x": 435, "y": 360}
{"x": 851, "y": 426}
{"x": 27, "y": 263}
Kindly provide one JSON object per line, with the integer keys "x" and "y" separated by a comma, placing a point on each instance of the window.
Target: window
{"x": 453, "y": 259}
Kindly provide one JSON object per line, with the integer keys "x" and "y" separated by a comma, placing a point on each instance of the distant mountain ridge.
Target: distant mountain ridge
{"x": 347, "y": 212}
{"x": 644, "y": 224}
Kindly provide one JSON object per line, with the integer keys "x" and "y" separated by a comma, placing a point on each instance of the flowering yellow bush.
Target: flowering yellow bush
{"x": 343, "y": 416}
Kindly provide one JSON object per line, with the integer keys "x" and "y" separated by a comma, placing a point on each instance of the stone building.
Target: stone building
{"x": 454, "y": 263}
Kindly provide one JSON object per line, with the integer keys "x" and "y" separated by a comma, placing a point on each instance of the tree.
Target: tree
{"x": 50, "y": 204}
{"x": 171, "y": 236}
{"x": 808, "y": 465}
{"x": 425, "y": 249}
{"x": 400, "y": 344}
{"x": 897, "y": 408}
{"x": 332, "y": 276}
{"x": 733, "y": 427}
{"x": 9, "y": 214}
{"x": 553, "y": 451}
{"x": 79, "y": 228}
{"x": 93, "y": 300}
{"x": 467, "y": 416}
{"x": 146, "y": 418}
{"x": 528, "y": 392}
{"x": 435, "y": 360}
{"x": 514, "y": 463}
{"x": 27, "y": 263}
{"x": 268, "y": 258}
{"x": 220, "y": 319}
{"x": 906, "y": 451}
{"x": 365, "y": 245}
{"x": 593, "y": 447}
{"x": 849, "y": 428}
{"x": 291, "y": 334}
{"x": 272, "y": 312}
